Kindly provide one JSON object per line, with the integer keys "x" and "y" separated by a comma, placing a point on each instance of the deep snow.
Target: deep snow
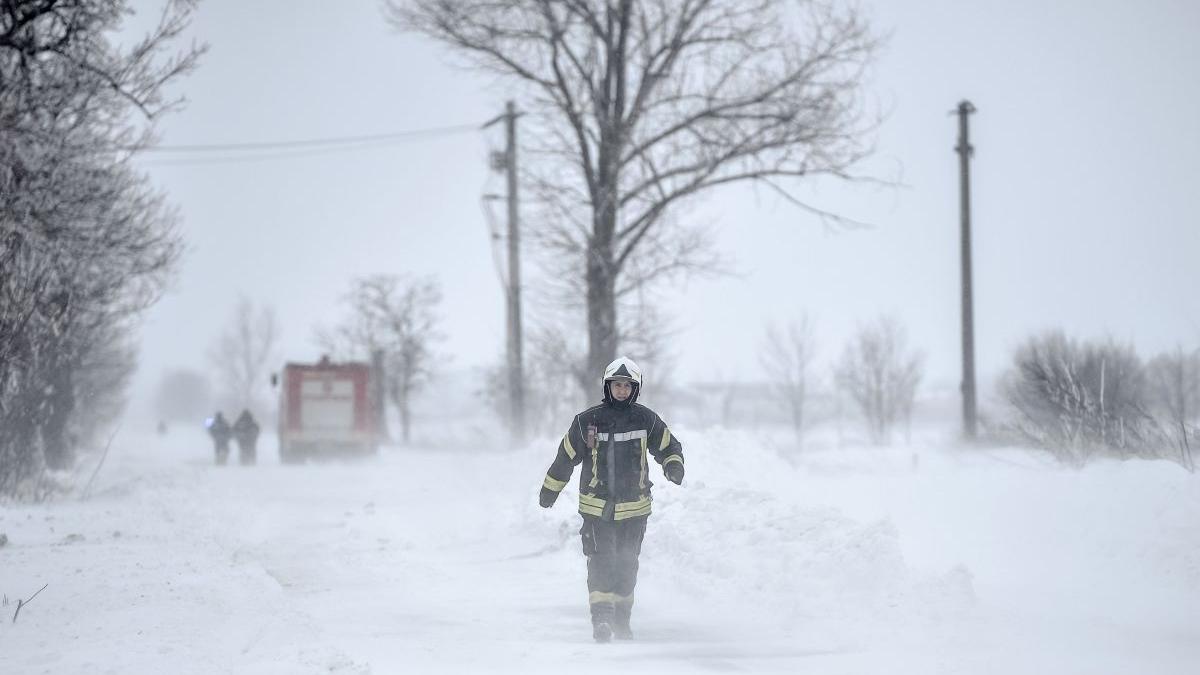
{"x": 912, "y": 559}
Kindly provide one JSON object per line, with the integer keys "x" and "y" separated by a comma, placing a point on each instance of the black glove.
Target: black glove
{"x": 547, "y": 497}
{"x": 674, "y": 472}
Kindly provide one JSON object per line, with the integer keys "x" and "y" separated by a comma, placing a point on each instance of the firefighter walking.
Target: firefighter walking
{"x": 612, "y": 442}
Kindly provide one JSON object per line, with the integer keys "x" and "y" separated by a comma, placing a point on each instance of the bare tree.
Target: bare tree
{"x": 639, "y": 107}
{"x": 85, "y": 243}
{"x": 786, "y": 356}
{"x": 396, "y": 316}
{"x": 244, "y": 354}
{"x": 880, "y": 374}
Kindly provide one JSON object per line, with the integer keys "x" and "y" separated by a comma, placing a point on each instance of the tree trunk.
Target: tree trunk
{"x": 798, "y": 420}
{"x": 62, "y": 403}
{"x": 405, "y": 422}
{"x": 602, "y": 281}
{"x": 400, "y": 395}
{"x": 601, "y": 264}
{"x": 602, "y": 316}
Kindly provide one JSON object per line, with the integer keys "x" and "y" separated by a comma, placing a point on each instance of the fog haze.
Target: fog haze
{"x": 794, "y": 526}
{"x": 1083, "y": 197}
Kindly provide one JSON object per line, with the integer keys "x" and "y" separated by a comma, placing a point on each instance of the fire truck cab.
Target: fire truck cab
{"x": 327, "y": 410}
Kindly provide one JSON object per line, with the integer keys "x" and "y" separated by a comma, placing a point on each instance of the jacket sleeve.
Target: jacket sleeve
{"x": 570, "y": 452}
{"x": 663, "y": 445}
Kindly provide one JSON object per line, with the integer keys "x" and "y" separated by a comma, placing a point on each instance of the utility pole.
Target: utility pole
{"x": 506, "y": 162}
{"x": 516, "y": 375}
{"x": 965, "y": 152}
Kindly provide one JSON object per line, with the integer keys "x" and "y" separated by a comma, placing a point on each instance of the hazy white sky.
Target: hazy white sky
{"x": 1085, "y": 199}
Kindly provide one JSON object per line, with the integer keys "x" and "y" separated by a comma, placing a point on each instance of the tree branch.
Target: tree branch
{"x": 22, "y": 603}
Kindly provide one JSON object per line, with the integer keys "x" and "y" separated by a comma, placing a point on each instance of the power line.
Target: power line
{"x": 413, "y": 134}
{"x": 246, "y": 158}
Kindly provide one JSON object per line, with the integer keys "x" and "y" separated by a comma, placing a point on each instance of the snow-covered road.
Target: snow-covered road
{"x": 864, "y": 561}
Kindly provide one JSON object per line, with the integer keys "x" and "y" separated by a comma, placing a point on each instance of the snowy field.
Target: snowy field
{"x": 919, "y": 559}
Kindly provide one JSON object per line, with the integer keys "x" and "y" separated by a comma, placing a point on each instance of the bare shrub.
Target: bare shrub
{"x": 1080, "y": 399}
{"x": 243, "y": 356}
{"x": 395, "y": 316}
{"x": 1173, "y": 389}
{"x": 786, "y": 356}
{"x": 880, "y": 374}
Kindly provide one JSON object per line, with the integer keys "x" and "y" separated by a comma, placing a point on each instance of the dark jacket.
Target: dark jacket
{"x": 245, "y": 428}
{"x": 220, "y": 430}
{"x": 612, "y": 442}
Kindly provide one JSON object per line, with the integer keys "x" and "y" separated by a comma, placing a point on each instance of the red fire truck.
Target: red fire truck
{"x": 327, "y": 410}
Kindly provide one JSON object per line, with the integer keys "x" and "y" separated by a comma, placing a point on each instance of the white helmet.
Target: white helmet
{"x": 624, "y": 369}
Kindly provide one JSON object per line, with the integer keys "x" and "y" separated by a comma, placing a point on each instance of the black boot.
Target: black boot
{"x": 602, "y": 621}
{"x": 602, "y": 631}
{"x": 621, "y": 629}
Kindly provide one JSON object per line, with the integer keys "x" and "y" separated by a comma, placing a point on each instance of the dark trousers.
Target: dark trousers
{"x": 247, "y": 452}
{"x": 612, "y": 550}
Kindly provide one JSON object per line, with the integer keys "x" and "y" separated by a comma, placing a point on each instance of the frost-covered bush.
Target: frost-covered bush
{"x": 1173, "y": 381}
{"x": 1080, "y": 399}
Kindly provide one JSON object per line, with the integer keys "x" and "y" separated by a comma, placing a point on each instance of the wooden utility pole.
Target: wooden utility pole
{"x": 507, "y": 163}
{"x": 516, "y": 375}
{"x": 965, "y": 152}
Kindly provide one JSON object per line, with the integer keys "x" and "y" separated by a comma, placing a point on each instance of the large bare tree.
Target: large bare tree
{"x": 634, "y": 108}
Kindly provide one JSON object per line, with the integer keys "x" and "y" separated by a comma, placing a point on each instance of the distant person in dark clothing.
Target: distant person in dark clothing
{"x": 221, "y": 432}
{"x": 245, "y": 430}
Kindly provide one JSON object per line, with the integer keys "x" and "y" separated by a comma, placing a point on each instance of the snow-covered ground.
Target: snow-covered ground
{"x": 921, "y": 559}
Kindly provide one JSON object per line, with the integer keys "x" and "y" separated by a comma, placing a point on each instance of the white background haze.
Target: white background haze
{"x": 918, "y": 557}
{"x": 1087, "y": 157}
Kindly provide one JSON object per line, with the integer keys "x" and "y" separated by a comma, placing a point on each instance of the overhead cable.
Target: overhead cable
{"x": 315, "y": 142}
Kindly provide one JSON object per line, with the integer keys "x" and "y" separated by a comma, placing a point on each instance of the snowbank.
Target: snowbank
{"x": 908, "y": 559}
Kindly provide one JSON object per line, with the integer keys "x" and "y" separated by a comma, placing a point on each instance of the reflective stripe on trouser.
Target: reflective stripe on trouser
{"x": 612, "y": 549}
